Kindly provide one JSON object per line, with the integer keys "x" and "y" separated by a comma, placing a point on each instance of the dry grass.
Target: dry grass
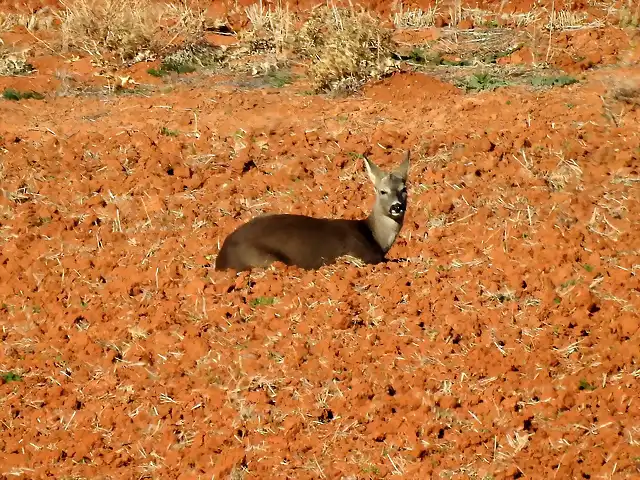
{"x": 133, "y": 30}
{"x": 194, "y": 55}
{"x": 566, "y": 172}
{"x": 124, "y": 27}
{"x": 346, "y": 48}
{"x": 414, "y": 18}
{"x": 14, "y": 62}
{"x": 41, "y": 20}
{"x": 490, "y": 18}
{"x": 629, "y": 15}
{"x": 271, "y": 29}
{"x": 567, "y": 20}
{"x": 628, "y": 95}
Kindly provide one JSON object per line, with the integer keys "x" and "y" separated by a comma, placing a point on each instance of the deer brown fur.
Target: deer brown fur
{"x": 311, "y": 242}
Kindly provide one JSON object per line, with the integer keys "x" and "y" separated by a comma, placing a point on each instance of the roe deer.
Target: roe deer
{"x": 310, "y": 242}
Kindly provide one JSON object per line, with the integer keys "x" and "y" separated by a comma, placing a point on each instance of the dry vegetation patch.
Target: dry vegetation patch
{"x": 43, "y": 19}
{"x": 133, "y": 30}
{"x": 342, "y": 47}
{"x": 629, "y": 15}
{"x": 346, "y": 48}
{"x": 14, "y": 62}
{"x": 272, "y": 29}
{"x": 571, "y": 20}
{"x": 414, "y": 18}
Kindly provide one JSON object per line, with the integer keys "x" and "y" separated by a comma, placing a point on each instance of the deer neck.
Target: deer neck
{"x": 384, "y": 229}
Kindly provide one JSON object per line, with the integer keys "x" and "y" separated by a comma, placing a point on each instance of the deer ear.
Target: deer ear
{"x": 402, "y": 170}
{"x": 374, "y": 172}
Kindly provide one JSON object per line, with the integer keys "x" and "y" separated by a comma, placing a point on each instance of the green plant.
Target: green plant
{"x": 178, "y": 67}
{"x": 16, "y": 95}
{"x": 585, "y": 385}
{"x": 157, "y": 72}
{"x": 10, "y": 377}
{"x": 262, "y": 301}
{"x": 483, "y": 81}
{"x": 420, "y": 56}
{"x": 168, "y": 132}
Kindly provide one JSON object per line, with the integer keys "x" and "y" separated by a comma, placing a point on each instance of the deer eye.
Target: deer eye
{"x": 383, "y": 192}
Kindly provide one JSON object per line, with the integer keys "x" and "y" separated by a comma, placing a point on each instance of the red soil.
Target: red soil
{"x": 505, "y": 346}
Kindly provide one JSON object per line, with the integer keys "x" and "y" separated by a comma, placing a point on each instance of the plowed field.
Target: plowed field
{"x": 502, "y": 342}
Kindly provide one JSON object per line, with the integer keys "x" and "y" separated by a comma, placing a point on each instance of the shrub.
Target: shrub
{"x": 346, "y": 47}
{"x": 133, "y": 30}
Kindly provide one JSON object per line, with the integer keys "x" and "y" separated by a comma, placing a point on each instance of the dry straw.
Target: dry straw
{"x": 133, "y": 30}
{"x": 346, "y": 47}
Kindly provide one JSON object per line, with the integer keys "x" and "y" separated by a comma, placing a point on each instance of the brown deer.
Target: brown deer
{"x": 310, "y": 242}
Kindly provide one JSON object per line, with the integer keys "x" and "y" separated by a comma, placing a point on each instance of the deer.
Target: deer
{"x": 312, "y": 242}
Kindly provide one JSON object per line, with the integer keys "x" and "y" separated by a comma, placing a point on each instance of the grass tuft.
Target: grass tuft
{"x": 42, "y": 19}
{"x": 279, "y": 78}
{"x": 133, "y": 30}
{"x": 414, "y": 18}
{"x": 347, "y": 47}
{"x": 124, "y": 27}
{"x": 271, "y": 29}
{"x": 168, "y": 132}
{"x": 263, "y": 301}
{"x": 13, "y": 64}
{"x": 585, "y": 385}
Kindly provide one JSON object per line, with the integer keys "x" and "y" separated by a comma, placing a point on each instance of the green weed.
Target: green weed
{"x": 279, "y": 78}
{"x": 10, "y": 377}
{"x": 483, "y": 81}
{"x": 262, "y": 301}
{"x": 16, "y": 95}
{"x": 584, "y": 385}
{"x": 169, "y": 133}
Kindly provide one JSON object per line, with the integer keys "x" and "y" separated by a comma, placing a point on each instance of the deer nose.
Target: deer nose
{"x": 396, "y": 209}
